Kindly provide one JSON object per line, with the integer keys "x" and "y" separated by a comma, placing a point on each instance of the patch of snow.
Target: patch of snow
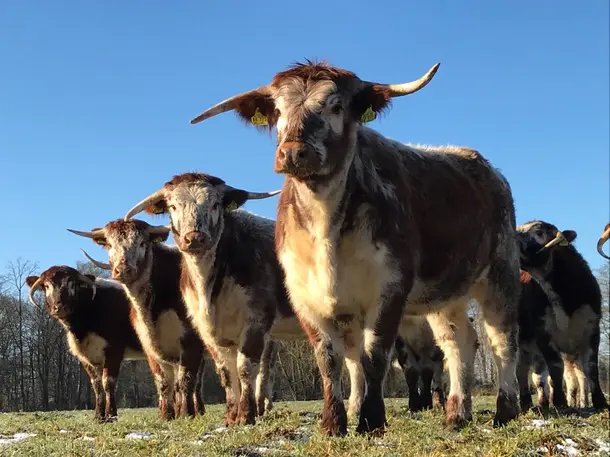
{"x": 384, "y": 444}
{"x": 63, "y": 431}
{"x": 543, "y": 449}
{"x": 568, "y": 450}
{"x": 15, "y": 438}
{"x": 207, "y": 436}
{"x": 138, "y": 436}
{"x": 603, "y": 446}
{"x": 197, "y": 442}
{"x": 221, "y": 430}
{"x": 87, "y": 438}
{"x": 537, "y": 423}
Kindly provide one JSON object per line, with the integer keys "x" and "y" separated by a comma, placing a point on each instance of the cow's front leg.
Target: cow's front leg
{"x": 328, "y": 350}
{"x": 380, "y": 331}
{"x": 248, "y": 362}
{"x": 555, "y": 366}
{"x": 523, "y": 369}
{"x": 226, "y": 367}
{"x": 266, "y": 378}
{"x": 95, "y": 377}
{"x": 190, "y": 359}
{"x": 112, "y": 366}
{"x": 197, "y": 394}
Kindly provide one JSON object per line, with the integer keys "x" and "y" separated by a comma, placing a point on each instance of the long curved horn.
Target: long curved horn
{"x": 228, "y": 104}
{"x": 90, "y": 282}
{"x": 261, "y": 195}
{"x": 142, "y": 205}
{"x": 558, "y": 239}
{"x": 602, "y": 239}
{"x": 35, "y": 286}
{"x": 102, "y": 265}
{"x": 86, "y": 234}
{"x": 398, "y": 90}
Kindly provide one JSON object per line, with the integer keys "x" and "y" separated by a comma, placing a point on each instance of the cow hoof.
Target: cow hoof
{"x": 110, "y": 419}
{"x": 507, "y": 409}
{"x": 372, "y": 418}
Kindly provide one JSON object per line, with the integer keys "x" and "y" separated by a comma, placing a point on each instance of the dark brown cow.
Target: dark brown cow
{"x": 369, "y": 229}
{"x": 150, "y": 273}
{"x": 602, "y": 239}
{"x": 559, "y": 317}
{"x": 232, "y": 283}
{"x": 95, "y": 314}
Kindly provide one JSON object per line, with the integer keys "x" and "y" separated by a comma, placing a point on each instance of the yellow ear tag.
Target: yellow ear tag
{"x": 259, "y": 118}
{"x": 369, "y": 115}
{"x": 231, "y": 206}
{"x": 564, "y": 243}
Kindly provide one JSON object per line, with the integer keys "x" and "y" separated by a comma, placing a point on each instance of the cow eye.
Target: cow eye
{"x": 216, "y": 206}
{"x": 171, "y": 207}
{"x": 336, "y": 109}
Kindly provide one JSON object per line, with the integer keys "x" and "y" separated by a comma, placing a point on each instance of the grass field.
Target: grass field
{"x": 292, "y": 430}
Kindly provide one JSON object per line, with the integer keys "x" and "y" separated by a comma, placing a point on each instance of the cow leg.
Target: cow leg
{"x": 581, "y": 370}
{"x": 571, "y": 382}
{"x": 197, "y": 394}
{"x": 540, "y": 376}
{"x": 455, "y": 336}
{"x": 226, "y": 367}
{"x": 381, "y": 329}
{"x": 266, "y": 378}
{"x": 253, "y": 343}
{"x": 412, "y": 380}
{"x": 438, "y": 385}
{"x": 523, "y": 369}
{"x": 112, "y": 366}
{"x": 499, "y": 303}
{"x": 425, "y": 396}
{"x": 328, "y": 349}
{"x": 357, "y": 382}
{"x": 163, "y": 375}
{"x": 95, "y": 377}
{"x": 555, "y": 366}
{"x": 599, "y": 401}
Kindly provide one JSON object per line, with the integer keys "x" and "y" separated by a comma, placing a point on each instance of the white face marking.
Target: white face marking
{"x": 128, "y": 246}
{"x": 196, "y": 207}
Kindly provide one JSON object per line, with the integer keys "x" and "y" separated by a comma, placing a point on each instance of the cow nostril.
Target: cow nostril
{"x": 301, "y": 154}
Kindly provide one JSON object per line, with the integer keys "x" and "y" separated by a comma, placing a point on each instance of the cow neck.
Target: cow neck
{"x": 200, "y": 269}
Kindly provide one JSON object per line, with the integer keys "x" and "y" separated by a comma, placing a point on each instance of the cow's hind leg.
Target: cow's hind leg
{"x": 555, "y": 366}
{"x": 266, "y": 378}
{"x": 571, "y": 382}
{"x": 523, "y": 369}
{"x": 438, "y": 381}
{"x": 357, "y": 382}
{"x": 455, "y": 336}
{"x": 540, "y": 376}
{"x": 197, "y": 394}
{"x": 597, "y": 395}
{"x": 498, "y": 296}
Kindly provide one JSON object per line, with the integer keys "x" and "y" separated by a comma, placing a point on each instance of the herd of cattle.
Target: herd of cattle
{"x": 377, "y": 250}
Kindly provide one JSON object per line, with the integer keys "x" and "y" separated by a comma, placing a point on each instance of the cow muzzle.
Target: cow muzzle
{"x": 195, "y": 241}
{"x": 296, "y": 158}
{"x": 123, "y": 272}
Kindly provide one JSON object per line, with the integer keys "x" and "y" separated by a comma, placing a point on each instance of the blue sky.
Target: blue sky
{"x": 96, "y": 98}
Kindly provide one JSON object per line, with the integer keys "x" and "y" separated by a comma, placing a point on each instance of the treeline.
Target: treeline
{"x": 37, "y": 372}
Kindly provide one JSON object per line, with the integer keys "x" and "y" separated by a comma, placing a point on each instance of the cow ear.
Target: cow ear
{"x": 569, "y": 235}
{"x": 30, "y": 280}
{"x": 159, "y": 237}
{"x": 370, "y": 101}
{"x": 257, "y": 109}
{"x": 159, "y": 207}
{"x": 233, "y": 199}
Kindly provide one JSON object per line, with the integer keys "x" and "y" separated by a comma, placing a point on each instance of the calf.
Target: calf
{"x": 369, "y": 229}
{"x": 560, "y": 312}
{"x": 150, "y": 274}
{"x": 602, "y": 239}
{"x": 96, "y": 317}
{"x": 232, "y": 282}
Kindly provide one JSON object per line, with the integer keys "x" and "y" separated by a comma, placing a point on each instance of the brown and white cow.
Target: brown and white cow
{"x": 602, "y": 239}
{"x": 233, "y": 284}
{"x": 369, "y": 229}
{"x": 560, "y": 313}
{"x": 95, "y": 314}
{"x": 149, "y": 272}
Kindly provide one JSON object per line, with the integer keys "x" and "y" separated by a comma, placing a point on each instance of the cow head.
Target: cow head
{"x": 602, "y": 239}
{"x": 129, "y": 245}
{"x": 196, "y": 203}
{"x": 64, "y": 288}
{"x": 316, "y": 109}
{"x": 538, "y": 241}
